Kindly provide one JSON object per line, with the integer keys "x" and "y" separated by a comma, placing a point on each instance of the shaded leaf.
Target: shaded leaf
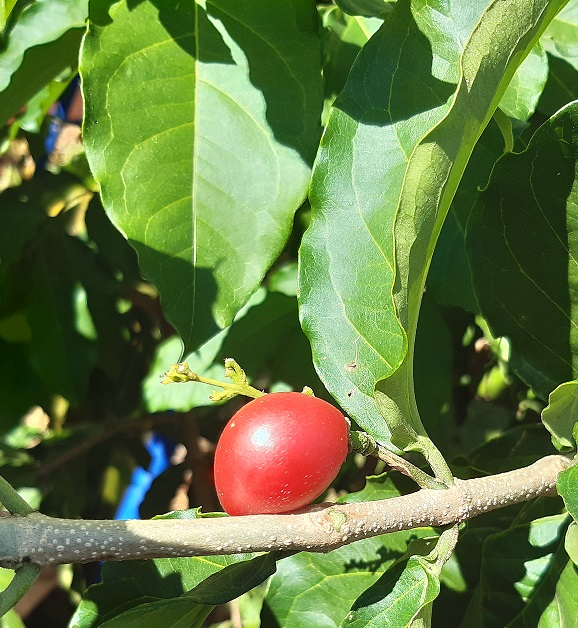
{"x": 174, "y": 613}
{"x": 567, "y": 486}
{"x": 343, "y": 37}
{"x": 44, "y": 40}
{"x": 130, "y": 584}
{"x": 63, "y": 351}
{"x": 449, "y": 278}
{"x": 366, "y": 8}
{"x": 201, "y": 132}
{"x": 21, "y": 386}
{"x": 433, "y": 372}
{"x": 520, "y": 568}
{"x": 23, "y": 212}
{"x": 561, "y": 36}
{"x": 522, "y": 253}
{"x": 561, "y": 87}
{"x": 561, "y": 415}
{"x": 524, "y": 90}
{"x": 571, "y": 542}
{"x": 397, "y": 597}
{"x": 517, "y": 447}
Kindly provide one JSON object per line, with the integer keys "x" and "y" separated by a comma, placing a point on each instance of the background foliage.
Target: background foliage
{"x": 375, "y": 199}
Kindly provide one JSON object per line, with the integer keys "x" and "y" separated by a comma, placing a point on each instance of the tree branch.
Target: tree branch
{"x": 44, "y": 540}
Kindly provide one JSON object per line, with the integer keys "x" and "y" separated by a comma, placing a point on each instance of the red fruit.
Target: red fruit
{"x": 279, "y": 453}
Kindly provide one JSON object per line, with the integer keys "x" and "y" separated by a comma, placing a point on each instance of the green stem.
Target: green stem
{"x": 435, "y": 460}
{"x": 12, "y": 501}
{"x": 445, "y": 546}
{"x": 181, "y": 372}
{"x": 363, "y": 443}
{"x": 24, "y": 578}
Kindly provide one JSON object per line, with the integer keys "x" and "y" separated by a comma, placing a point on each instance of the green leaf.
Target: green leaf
{"x": 517, "y": 447}
{"x": 63, "y": 351}
{"x": 343, "y": 37}
{"x": 561, "y": 87}
{"x": 571, "y": 542}
{"x": 20, "y": 219}
{"x": 567, "y": 486}
{"x": 346, "y": 259}
{"x": 175, "y": 613}
{"x": 44, "y": 40}
{"x": 374, "y": 172}
{"x": 316, "y": 590}
{"x": 403, "y": 596}
{"x": 524, "y": 259}
{"x": 130, "y": 584}
{"x": 520, "y": 568}
{"x": 449, "y": 278}
{"x": 561, "y": 37}
{"x": 234, "y": 580}
{"x": 366, "y": 8}
{"x": 525, "y": 88}
{"x": 397, "y": 597}
{"x": 21, "y": 386}
{"x": 201, "y": 132}
{"x": 433, "y": 371}
{"x": 434, "y": 172}
{"x": 561, "y": 415}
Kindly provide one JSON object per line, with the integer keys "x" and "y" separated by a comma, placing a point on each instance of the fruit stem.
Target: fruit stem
{"x": 179, "y": 373}
{"x": 363, "y": 443}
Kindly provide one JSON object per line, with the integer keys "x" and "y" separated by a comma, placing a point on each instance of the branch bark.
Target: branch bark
{"x": 43, "y": 540}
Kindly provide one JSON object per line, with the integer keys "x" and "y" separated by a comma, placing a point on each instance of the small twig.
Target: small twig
{"x": 363, "y": 443}
{"x": 12, "y": 501}
{"x": 181, "y": 373}
{"x": 25, "y": 576}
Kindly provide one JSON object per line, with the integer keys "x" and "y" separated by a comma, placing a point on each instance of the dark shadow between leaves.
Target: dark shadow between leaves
{"x": 189, "y": 294}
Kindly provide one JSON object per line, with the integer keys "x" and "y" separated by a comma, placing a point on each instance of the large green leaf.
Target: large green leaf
{"x": 380, "y": 192}
{"x": 43, "y": 41}
{"x": 521, "y": 575}
{"x": 391, "y": 99}
{"x": 202, "y": 121}
{"x": 403, "y": 596}
{"x": 397, "y": 598}
{"x": 509, "y": 30}
{"x": 522, "y": 250}
{"x": 318, "y": 590}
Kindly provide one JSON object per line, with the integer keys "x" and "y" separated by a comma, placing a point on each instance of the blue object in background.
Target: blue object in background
{"x": 161, "y": 450}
